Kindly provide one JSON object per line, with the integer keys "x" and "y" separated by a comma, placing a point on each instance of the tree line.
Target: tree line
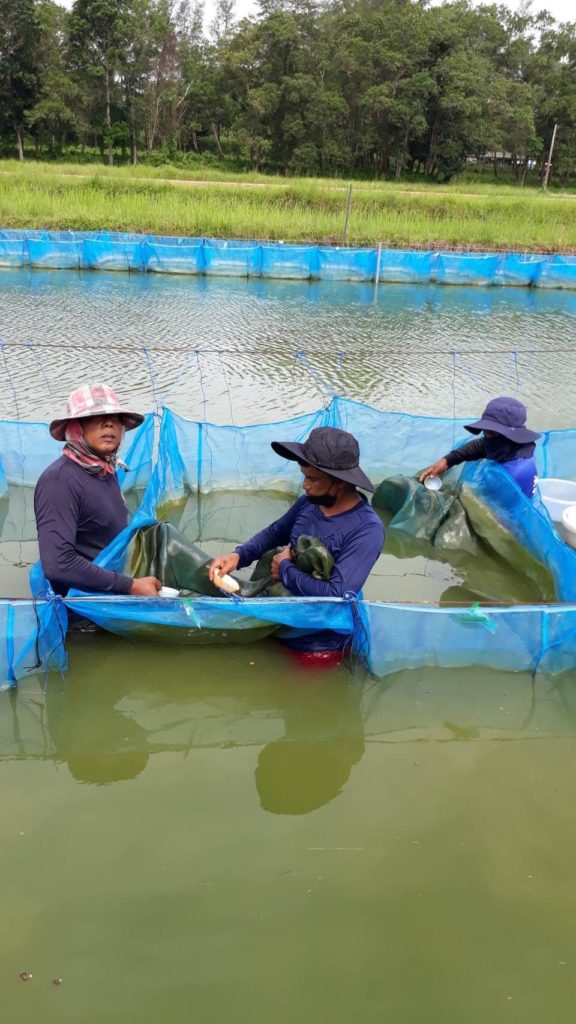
{"x": 347, "y": 87}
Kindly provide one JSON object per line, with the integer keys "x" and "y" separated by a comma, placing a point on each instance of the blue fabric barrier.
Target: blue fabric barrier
{"x": 22, "y": 233}
{"x": 518, "y": 270}
{"x": 232, "y": 260}
{"x": 521, "y": 639}
{"x": 61, "y": 254}
{"x": 112, "y": 255}
{"x": 457, "y": 268}
{"x": 559, "y": 272}
{"x": 298, "y": 262}
{"x": 13, "y": 252}
{"x": 162, "y": 258}
{"x": 32, "y": 639}
{"x": 347, "y": 264}
{"x": 405, "y": 266}
{"x": 130, "y": 251}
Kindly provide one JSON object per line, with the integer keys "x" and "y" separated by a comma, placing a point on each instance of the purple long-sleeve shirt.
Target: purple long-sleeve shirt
{"x": 354, "y": 539}
{"x": 77, "y": 516}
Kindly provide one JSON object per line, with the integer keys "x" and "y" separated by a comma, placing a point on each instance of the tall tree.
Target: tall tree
{"x": 18, "y": 65}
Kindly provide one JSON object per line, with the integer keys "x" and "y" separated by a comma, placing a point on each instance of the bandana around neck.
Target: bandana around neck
{"x": 80, "y": 452}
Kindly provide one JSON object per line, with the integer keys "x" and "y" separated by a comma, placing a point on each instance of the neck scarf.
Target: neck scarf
{"x": 80, "y": 452}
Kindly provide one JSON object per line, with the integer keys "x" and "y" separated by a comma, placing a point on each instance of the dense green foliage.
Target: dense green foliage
{"x": 346, "y": 87}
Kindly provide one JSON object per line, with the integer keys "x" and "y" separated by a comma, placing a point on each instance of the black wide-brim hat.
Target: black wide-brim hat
{"x": 332, "y": 451}
{"x": 505, "y": 416}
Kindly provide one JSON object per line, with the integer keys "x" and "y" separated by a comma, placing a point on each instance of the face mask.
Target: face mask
{"x": 325, "y": 500}
{"x": 499, "y": 448}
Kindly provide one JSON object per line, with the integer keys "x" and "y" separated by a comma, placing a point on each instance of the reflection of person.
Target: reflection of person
{"x": 78, "y": 503}
{"x": 311, "y": 764}
{"x": 334, "y": 512}
{"x": 507, "y": 440}
{"x": 99, "y": 744}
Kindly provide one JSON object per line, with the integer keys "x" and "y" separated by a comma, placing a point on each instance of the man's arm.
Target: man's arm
{"x": 57, "y": 509}
{"x": 272, "y": 536}
{"x": 351, "y": 570}
{"x": 470, "y": 452}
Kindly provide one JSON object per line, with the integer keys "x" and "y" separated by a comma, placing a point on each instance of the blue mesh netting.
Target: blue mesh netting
{"x": 405, "y": 266}
{"x": 26, "y": 449}
{"x": 299, "y": 262}
{"x": 202, "y": 458}
{"x": 174, "y": 258}
{"x": 129, "y": 251}
{"x": 232, "y": 260}
{"x": 454, "y": 268}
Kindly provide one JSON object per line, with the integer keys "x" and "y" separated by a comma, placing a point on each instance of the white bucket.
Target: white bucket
{"x": 557, "y": 495}
{"x": 569, "y": 524}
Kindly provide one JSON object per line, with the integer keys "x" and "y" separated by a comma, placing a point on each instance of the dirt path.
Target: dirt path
{"x": 203, "y": 183}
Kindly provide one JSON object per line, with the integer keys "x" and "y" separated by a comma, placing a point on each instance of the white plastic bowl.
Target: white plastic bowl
{"x": 433, "y": 483}
{"x": 168, "y": 592}
{"x": 569, "y": 524}
{"x": 557, "y": 495}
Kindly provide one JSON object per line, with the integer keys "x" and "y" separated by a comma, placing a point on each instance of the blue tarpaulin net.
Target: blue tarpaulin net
{"x": 128, "y": 251}
{"x": 201, "y": 458}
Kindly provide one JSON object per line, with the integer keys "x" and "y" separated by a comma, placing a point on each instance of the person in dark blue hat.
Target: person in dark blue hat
{"x": 333, "y": 510}
{"x": 506, "y": 440}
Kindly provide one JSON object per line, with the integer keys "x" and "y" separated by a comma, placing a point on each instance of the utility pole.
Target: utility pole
{"x": 347, "y": 218}
{"x": 549, "y": 162}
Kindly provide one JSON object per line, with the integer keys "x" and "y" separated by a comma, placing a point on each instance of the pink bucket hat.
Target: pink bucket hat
{"x": 93, "y": 400}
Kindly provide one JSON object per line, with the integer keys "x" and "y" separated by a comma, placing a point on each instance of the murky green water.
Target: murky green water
{"x": 215, "y": 835}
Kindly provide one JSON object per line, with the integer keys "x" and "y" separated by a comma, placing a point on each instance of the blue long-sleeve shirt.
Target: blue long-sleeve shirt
{"x": 354, "y": 539}
{"x": 77, "y": 516}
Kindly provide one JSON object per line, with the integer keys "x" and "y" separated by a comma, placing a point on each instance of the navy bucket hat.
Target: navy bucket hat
{"x": 505, "y": 416}
{"x": 330, "y": 450}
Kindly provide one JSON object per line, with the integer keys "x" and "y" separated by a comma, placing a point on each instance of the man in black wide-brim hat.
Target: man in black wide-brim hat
{"x": 333, "y": 510}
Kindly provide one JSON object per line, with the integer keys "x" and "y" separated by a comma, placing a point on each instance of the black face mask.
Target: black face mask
{"x": 500, "y": 449}
{"x": 325, "y": 500}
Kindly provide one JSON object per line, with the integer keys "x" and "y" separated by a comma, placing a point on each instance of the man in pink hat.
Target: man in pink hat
{"x": 78, "y": 503}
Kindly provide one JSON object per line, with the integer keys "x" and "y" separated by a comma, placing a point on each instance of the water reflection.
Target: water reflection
{"x": 121, "y": 705}
{"x": 324, "y": 739}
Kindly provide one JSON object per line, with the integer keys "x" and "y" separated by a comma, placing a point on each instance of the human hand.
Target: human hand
{"x": 223, "y": 564}
{"x": 436, "y": 469}
{"x": 147, "y": 586}
{"x": 280, "y": 557}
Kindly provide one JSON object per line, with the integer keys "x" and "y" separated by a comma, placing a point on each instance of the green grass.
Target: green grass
{"x": 133, "y": 199}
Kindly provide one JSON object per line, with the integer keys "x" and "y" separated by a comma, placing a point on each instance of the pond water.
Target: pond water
{"x": 216, "y": 834}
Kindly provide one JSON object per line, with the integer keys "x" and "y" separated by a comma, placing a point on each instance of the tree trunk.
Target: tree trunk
{"x": 20, "y": 141}
{"x": 431, "y": 159}
{"x": 195, "y": 142}
{"x": 134, "y": 149}
{"x": 108, "y": 117}
{"x": 217, "y": 137}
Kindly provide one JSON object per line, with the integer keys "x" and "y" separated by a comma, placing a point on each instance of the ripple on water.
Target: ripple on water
{"x": 383, "y": 352}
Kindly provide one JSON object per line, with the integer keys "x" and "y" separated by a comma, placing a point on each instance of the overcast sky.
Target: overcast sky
{"x": 562, "y": 10}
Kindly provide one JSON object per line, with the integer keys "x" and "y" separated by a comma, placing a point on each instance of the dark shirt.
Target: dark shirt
{"x": 77, "y": 515}
{"x": 354, "y": 539}
{"x": 497, "y": 449}
{"x": 517, "y": 459}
